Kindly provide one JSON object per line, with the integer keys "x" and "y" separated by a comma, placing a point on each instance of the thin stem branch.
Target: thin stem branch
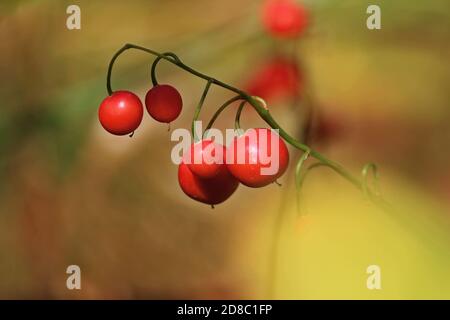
{"x": 237, "y": 120}
{"x": 261, "y": 108}
{"x": 199, "y": 108}
{"x": 219, "y": 111}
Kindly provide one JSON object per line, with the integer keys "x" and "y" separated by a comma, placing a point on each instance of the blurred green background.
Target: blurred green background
{"x": 72, "y": 194}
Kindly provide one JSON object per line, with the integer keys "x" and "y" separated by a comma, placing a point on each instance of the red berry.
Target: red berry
{"x": 210, "y": 191}
{"x": 121, "y": 113}
{"x": 284, "y": 18}
{"x": 251, "y": 153}
{"x": 163, "y": 103}
{"x": 205, "y": 158}
{"x": 278, "y": 78}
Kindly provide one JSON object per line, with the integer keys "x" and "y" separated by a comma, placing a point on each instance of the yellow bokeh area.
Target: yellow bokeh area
{"x": 331, "y": 247}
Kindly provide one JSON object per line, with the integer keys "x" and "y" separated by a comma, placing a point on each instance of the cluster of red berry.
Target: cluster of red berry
{"x": 213, "y": 182}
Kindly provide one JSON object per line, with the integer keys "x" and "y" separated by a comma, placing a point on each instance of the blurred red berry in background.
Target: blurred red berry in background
{"x": 284, "y": 18}
{"x": 327, "y": 128}
{"x": 121, "y": 113}
{"x": 277, "y": 79}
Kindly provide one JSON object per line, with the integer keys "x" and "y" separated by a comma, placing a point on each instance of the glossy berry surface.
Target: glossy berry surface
{"x": 205, "y": 158}
{"x": 163, "y": 103}
{"x": 249, "y": 153}
{"x": 121, "y": 113}
{"x": 284, "y": 18}
{"x": 210, "y": 191}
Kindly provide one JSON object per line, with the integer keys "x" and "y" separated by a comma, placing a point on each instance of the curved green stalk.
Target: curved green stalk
{"x": 261, "y": 108}
{"x": 155, "y": 63}
{"x": 299, "y": 176}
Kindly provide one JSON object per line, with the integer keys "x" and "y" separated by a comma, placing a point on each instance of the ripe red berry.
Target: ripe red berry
{"x": 163, "y": 103}
{"x": 278, "y": 78}
{"x": 284, "y": 18}
{"x": 250, "y": 155}
{"x": 210, "y": 191}
{"x": 205, "y": 158}
{"x": 121, "y": 113}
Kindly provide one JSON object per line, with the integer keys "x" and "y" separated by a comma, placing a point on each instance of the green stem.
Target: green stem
{"x": 155, "y": 63}
{"x": 253, "y": 101}
{"x": 237, "y": 120}
{"x": 299, "y": 176}
{"x": 219, "y": 111}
